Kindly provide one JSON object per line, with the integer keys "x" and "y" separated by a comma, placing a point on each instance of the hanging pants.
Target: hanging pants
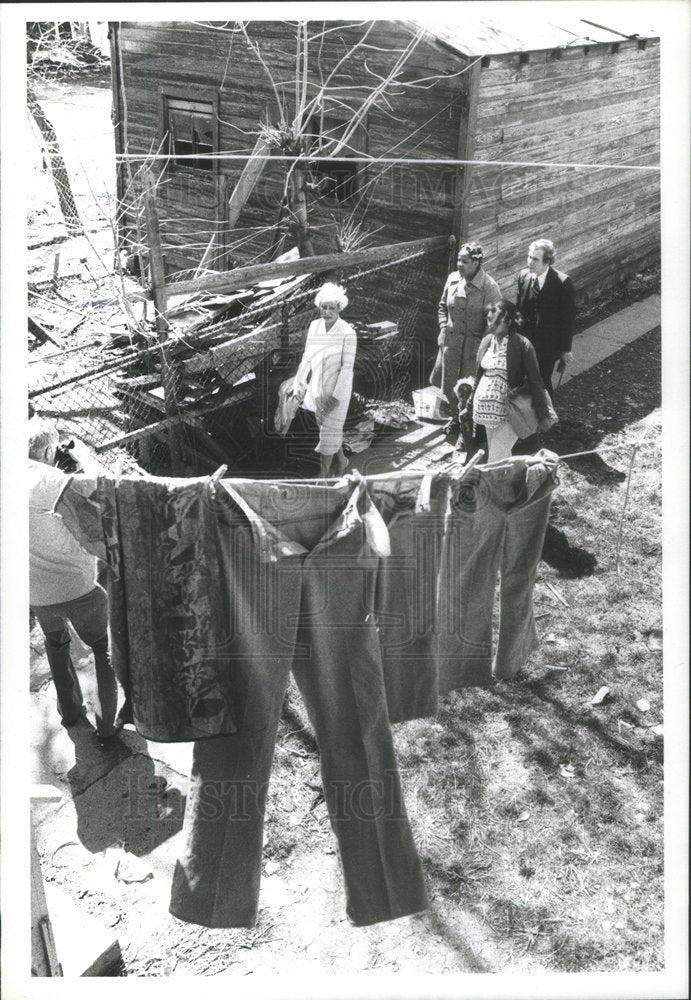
{"x": 406, "y": 592}
{"x": 309, "y": 611}
{"x": 495, "y": 525}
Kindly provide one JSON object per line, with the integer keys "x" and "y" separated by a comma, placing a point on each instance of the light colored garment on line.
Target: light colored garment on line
{"x": 326, "y": 371}
{"x": 287, "y": 407}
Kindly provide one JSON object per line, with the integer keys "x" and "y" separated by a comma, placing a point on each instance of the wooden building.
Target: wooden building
{"x": 207, "y": 94}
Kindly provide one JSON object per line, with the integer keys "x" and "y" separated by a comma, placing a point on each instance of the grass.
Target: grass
{"x": 552, "y": 807}
{"x": 538, "y": 817}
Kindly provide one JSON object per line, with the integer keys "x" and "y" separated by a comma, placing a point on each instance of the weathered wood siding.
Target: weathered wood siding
{"x": 585, "y": 107}
{"x": 395, "y": 202}
{"x": 591, "y": 107}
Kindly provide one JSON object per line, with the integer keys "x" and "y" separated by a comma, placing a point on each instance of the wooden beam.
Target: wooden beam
{"x": 160, "y": 298}
{"x": 164, "y": 425}
{"x": 247, "y": 181}
{"x": 241, "y": 277}
{"x": 41, "y": 333}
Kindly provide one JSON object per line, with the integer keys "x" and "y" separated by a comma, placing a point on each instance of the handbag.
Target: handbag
{"x": 287, "y": 407}
{"x": 521, "y": 412}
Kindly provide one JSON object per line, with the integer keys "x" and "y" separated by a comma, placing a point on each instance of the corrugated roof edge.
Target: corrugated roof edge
{"x": 504, "y": 43}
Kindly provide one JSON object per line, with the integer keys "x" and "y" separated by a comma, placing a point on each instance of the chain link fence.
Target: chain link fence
{"x": 95, "y": 366}
{"x": 225, "y": 369}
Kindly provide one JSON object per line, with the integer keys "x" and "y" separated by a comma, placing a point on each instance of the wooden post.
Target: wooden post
{"x": 465, "y": 151}
{"x": 44, "y": 958}
{"x": 160, "y": 299}
{"x": 63, "y": 188}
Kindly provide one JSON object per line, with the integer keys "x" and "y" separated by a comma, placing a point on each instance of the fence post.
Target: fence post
{"x": 160, "y": 300}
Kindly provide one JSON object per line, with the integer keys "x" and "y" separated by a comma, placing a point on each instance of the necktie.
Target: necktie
{"x": 532, "y": 292}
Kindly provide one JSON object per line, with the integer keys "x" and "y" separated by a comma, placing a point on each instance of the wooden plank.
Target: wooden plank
{"x": 243, "y": 276}
{"x": 246, "y": 182}
{"x": 44, "y": 955}
{"x": 41, "y": 333}
{"x": 85, "y": 947}
{"x": 160, "y": 298}
{"x": 164, "y": 425}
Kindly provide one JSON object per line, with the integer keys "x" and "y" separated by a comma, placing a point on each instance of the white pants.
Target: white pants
{"x": 500, "y": 440}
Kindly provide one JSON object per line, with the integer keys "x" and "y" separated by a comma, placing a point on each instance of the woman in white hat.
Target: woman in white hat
{"x": 324, "y": 380}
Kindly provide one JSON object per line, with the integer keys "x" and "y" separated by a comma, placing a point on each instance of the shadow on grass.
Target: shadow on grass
{"x": 523, "y": 692}
{"x": 485, "y": 866}
{"x": 441, "y": 926}
{"x": 534, "y": 929}
{"x": 616, "y": 392}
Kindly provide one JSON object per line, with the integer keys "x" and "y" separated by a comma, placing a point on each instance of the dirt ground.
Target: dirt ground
{"x": 538, "y": 815}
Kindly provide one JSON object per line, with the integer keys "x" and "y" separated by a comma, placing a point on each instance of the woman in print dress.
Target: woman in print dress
{"x": 324, "y": 380}
{"x": 505, "y": 361}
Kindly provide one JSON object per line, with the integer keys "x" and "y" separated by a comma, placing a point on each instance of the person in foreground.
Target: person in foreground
{"x": 505, "y": 361}
{"x": 63, "y": 585}
{"x": 324, "y": 380}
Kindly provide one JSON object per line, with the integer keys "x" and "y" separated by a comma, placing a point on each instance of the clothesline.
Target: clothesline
{"x": 396, "y": 473}
{"x": 375, "y": 477}
{"x": 408, "y": 161}
{"x": 574, "y": 454}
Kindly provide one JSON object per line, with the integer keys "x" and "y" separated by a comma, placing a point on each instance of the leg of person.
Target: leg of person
{"x": 89, "y": 615}
{"x": 547, "y": 363}
{"x": 325, "y": 462}
{"x": 57, "y": 642}
{"x": 340, "y": 462}
{"x": 451, "y": 366}
{"x": 436, "y": 373}
{"x": 500, "y": 439}
{"x": 330, "y": 445}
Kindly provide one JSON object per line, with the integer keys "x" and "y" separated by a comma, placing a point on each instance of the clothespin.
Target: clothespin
{"x": 119, "y": 466}
{"x": 477, "y": 457}
{"x": 218, "y": 474}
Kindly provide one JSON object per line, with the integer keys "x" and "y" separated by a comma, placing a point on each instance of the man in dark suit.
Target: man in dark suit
{"x": 546, "y": 300}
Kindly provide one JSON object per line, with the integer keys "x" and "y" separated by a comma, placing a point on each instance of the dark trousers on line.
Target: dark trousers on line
{"x": 88, "y": 615}
{"x": 314, "y": 617}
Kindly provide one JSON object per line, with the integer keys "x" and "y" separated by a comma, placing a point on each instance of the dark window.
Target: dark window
{"x": 334, "y": 180}
{"x": 191, "y": 133}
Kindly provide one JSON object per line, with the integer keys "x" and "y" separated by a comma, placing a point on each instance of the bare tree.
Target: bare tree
{"x": 303, "y": 106}
{"x": 37, "y": 32}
